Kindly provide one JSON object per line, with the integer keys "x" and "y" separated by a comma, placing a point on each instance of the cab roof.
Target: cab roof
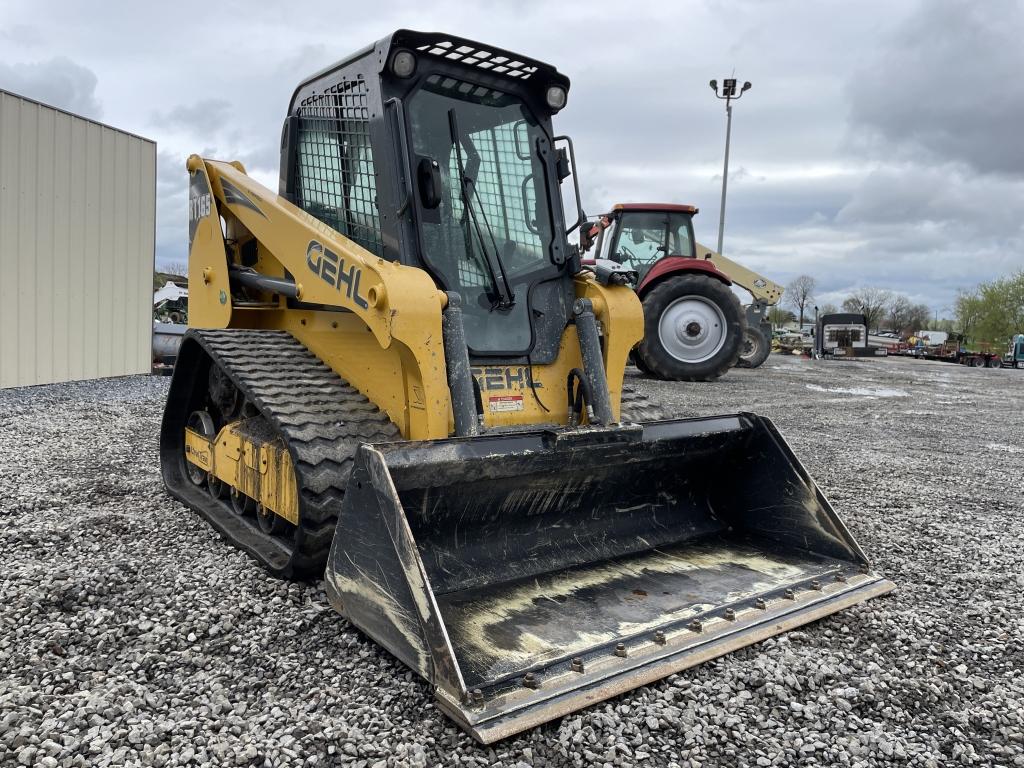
{"x": 494, "y": 61}
{"x": 672, "y": 207}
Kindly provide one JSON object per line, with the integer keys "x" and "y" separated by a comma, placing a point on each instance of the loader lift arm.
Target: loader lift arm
{"x": 764, "y": 291}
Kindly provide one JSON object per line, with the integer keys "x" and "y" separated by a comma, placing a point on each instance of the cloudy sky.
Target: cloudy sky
{"x": 882, "y": 143}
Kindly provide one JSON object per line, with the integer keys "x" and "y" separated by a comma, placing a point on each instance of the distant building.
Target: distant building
{"x": 77, "y": 230}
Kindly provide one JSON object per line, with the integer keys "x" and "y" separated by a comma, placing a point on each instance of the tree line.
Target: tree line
{"x": 992, "y": 312}
{"x": 884, "y": 309}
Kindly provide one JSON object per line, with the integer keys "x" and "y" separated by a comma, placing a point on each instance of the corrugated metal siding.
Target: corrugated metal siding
{"x": 77, "y": 218}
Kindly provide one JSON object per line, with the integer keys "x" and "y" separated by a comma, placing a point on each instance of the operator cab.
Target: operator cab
{"x": 639, "y": 234}
{"x": 438, "y": 152}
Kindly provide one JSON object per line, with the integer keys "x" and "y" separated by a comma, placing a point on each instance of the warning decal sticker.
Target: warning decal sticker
{"x": 499, "y": 403}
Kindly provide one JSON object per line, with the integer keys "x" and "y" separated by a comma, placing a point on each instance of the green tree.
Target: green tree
{"x": 780, "y": 317}
{"x": 993, "y": 312}
{"x": 968, "y": 309}
{"x": 1002, "y": 313}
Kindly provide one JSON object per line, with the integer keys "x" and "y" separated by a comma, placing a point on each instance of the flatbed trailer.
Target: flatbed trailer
{"x": 970, "y": 359}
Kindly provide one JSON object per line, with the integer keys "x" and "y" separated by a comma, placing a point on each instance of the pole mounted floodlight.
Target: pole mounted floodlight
{"x": 729, "y": 94}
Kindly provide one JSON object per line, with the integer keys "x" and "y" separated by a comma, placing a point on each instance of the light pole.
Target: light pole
{"x": 727, "y": 92}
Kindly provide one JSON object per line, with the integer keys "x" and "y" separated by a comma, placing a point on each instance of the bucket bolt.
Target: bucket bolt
{"x": 760, "y": 603}
{"x": 477, "y": 697}
{"x": 530, "y": 680}
{"x": 730, "y": 614}
{"x": 696, "y": 626}
{"x": 789, "y": 594}
{"x": 816, "y": 585}
{"x": 620, "y": 650}
{"x": 865, "y": 568}
{"x": 576, "y": 665}
{"x": 840, "y": 578}
{"x": 659, "y": 637}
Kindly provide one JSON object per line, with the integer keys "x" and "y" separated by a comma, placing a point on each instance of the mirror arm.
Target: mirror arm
{"x": 580, "y": 215}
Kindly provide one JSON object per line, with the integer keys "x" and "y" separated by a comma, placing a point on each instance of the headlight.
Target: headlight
{"x": 403, "y": 64}
{"x": 556, "y": 97}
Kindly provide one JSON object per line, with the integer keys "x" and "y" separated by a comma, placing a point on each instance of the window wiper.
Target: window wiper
{"x": 503, "y": 296}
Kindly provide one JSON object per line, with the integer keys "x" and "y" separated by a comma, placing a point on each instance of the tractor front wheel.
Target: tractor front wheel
{"x": 693, "y": 329}
{"x": 755, "y": 348}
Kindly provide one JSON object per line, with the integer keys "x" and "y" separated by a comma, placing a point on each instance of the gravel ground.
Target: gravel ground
{"x": 131, "y": 635}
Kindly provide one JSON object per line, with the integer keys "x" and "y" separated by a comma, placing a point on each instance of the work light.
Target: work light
{"x": 403, "y": 64}
{"x": 556, "y": 97}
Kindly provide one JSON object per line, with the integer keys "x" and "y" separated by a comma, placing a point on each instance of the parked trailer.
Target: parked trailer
{"x": 953, "y": 351}
{"x": 977, "y": 359}
{"x": 844, "y": 335}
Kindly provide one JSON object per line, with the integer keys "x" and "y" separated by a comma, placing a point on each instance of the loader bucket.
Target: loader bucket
{"x": 531, "y": 574}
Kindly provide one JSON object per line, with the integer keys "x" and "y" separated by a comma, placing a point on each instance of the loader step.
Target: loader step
{"x": 321, "y": 418}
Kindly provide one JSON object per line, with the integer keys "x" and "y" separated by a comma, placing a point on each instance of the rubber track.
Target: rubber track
{"x": 322, "y": 418}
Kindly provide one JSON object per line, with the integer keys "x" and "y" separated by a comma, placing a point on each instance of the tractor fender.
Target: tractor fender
{"x": 670, "y": 266}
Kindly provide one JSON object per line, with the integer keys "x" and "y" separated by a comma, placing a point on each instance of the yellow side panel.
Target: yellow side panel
{"x": 198, "y": 450}
{"x": 209, "y": 292}
{"x": 262, "y": 471}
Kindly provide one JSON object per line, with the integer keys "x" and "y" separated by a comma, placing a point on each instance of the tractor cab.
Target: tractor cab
{"x": 637, "y": 235}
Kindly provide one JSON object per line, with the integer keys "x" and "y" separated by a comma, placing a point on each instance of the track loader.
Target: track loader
{"x": 398, "y": 376}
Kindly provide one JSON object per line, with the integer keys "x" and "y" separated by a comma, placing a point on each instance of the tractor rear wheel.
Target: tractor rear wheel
{"x": 693, "y": 328}
{"x": 754, "y": 350}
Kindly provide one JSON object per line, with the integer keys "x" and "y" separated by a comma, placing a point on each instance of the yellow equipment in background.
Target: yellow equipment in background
{"x": 398, "y": 375}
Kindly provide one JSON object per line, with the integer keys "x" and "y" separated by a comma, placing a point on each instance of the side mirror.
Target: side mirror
{"x": 562, "y": 167}
{"x": 586, "y": 236}
{"x": 428, "y": 181}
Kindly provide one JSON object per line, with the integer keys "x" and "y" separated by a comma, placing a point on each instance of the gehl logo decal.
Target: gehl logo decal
{"x": 330, "y": 267}
{"x": 491, "y": 379}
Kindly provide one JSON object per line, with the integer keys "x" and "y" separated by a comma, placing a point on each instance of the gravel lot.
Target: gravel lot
{"x": 131, "y": 635}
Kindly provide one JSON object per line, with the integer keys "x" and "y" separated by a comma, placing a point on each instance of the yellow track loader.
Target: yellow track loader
{"x": 399, "y": 376}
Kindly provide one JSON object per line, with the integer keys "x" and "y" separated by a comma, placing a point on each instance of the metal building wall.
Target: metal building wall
{"x": 77, "y": 232}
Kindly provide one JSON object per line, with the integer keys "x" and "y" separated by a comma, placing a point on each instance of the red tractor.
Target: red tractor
{"x": 695, "y": 328}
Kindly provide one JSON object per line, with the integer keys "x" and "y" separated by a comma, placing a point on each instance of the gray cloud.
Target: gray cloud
{"x": 59, "y": 82}
{"x": 947, "y": 84}
{"x": 204, "y": 117}
{"x": 24, "y": 35}
{"x": 877, "y": 146}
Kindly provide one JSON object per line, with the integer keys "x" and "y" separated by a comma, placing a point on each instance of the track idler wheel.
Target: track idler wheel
{"x": 241, "y": 504}
{"x": 269, "y": 521}
{"x": 218, "y": 488}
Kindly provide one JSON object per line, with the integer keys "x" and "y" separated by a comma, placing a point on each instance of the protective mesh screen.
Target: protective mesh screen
{"x": 335, "y": 163}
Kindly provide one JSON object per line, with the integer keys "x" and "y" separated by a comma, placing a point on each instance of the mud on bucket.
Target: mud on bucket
{"x": 532, "y": 574}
